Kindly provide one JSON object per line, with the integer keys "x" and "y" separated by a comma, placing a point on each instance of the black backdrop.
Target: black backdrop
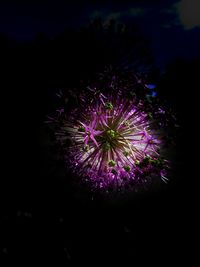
{"x": 44, "y": 218}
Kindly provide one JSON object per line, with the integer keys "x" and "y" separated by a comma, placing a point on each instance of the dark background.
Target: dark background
{"x": 47, "y": 46}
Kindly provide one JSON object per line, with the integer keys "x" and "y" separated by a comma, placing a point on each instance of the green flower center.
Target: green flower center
{"x": 110, "y": 135}
{"x": 108, "y": 139}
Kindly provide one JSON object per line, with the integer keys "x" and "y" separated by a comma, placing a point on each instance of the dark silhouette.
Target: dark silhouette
{"x": 44, "y": 218}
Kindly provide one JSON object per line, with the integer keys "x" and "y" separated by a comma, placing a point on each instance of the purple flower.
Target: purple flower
{"x": 112, "y": 139}
{"x": 110, "y": 142}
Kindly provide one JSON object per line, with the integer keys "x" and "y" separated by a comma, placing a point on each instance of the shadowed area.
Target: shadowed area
{"x": 46, "y": 218}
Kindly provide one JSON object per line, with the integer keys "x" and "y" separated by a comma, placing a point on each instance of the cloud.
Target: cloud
{"x": 107, "y": 16}
{"x": 185, "y": 13}
{"x": 189, "y": 13}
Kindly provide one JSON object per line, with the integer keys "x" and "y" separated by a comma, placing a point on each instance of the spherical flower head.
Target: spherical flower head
{"x": 114, "y": 141}
{"x": 108, "y": 151}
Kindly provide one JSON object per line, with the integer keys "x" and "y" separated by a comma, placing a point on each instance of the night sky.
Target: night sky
{"x": 172, "y": 27}
{"x": 44, "y": 218}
